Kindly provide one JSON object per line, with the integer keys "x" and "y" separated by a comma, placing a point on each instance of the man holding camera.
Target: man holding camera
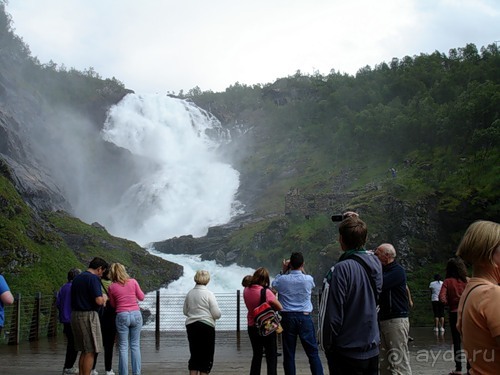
{"x": 294, "y": 289}
{"x": 348, "y": 325}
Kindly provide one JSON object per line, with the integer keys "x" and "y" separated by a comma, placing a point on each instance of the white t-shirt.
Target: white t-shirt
{"x": 435, "y": 288}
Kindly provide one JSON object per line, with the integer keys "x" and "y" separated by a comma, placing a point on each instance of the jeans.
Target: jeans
{"x": 128, "y": 327}
{"x": 301, "y": 325}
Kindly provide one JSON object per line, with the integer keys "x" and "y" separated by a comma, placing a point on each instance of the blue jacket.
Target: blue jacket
{"x": 63, "y": 303}
{"x": 348, "y": 311}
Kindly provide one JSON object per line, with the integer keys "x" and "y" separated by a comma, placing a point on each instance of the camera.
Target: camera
{"x": 345, "y": 215}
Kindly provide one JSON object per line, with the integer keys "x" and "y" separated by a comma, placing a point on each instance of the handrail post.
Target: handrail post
{"x": 52, "y": 327}
{"x": 15, "y": 331}
{"x": 157, "y": 322}
{"x": 238, "y": 312}
{"x": 35, "y": 319}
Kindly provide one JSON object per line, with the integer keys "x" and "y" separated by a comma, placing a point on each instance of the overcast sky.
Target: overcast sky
{"x": 155, "y": 46}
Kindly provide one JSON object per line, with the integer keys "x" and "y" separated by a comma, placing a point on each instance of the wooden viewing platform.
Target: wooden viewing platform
{"x": 430, "y": 354}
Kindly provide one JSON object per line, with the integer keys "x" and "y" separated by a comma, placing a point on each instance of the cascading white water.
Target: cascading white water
{"x": 224, "y": 282}
{"x": 186, "y": 189}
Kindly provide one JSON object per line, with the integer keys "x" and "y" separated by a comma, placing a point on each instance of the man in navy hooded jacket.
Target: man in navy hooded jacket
{"x": 348, "y": 326}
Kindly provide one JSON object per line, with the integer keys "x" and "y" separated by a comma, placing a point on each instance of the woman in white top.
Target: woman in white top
{"x": 201, "y": 310}
{"x": 437, "y": 306}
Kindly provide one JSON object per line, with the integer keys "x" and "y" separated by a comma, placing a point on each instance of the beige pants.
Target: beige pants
{"x": 394, "y": 353}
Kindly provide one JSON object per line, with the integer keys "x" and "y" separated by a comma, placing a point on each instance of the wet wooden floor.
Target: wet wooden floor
{"x": 430, "y": 354}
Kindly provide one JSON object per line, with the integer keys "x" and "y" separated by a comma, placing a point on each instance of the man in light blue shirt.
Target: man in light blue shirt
{"x": 294, "y": 289}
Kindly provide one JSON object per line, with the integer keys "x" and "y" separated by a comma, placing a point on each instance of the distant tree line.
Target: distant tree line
{"x": 438, "y": 112}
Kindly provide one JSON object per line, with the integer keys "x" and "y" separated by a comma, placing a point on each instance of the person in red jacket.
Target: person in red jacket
{"x": 451, "y": 291}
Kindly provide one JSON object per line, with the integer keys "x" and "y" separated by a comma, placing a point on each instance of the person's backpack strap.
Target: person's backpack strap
{"x": 263, "y": 295}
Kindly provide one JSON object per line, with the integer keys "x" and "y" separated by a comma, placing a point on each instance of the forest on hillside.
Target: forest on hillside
{"x": 437, "y": 113}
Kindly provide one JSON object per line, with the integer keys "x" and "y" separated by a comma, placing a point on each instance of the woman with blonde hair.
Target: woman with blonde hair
{"x": 124, "y": 294}
{"x": 252, "y": 296}
{"x": 201, "y": 311}
{"x": 479, "y": 307}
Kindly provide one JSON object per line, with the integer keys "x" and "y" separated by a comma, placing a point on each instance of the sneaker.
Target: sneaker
{"x": 111, "y": 372}
{"x": 441, "y": 329}
{"x": 94, "y": 372}
{"x": 436, "y": 329}
{"x": 72, "y": 371}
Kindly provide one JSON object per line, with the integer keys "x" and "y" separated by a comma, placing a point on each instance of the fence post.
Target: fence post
{"x": 238, "y": 312}
{"x": 35, "y": 319}
{"x": 157, "y": 322}
{"x": 15, "y": 331}
{"x": 52, "y": 327}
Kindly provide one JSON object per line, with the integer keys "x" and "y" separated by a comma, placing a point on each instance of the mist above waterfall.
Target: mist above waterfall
{"x": 152, "y": 173}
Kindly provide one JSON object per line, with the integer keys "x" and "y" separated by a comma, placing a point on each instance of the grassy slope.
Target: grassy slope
{"x": 29, "y": 251}
{"x": 36, "y": 253}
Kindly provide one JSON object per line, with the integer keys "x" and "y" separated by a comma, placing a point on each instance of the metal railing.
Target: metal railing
{"x": 30, "y": 318}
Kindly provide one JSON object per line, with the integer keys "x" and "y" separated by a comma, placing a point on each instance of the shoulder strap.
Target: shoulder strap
{"x": 367, "y": 270}
{"x": 467, "y": 296}
{"x": 104, "y": 287}
{"x": 263, "y": 295}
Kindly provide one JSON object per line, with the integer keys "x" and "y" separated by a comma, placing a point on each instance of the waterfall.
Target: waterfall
{"x": 186, "y": 188}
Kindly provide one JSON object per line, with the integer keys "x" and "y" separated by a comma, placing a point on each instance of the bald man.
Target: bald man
{"x": 393, "y": 314}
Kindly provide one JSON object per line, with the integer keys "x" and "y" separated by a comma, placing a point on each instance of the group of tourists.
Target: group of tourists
{"x": 365, "y": 303}
{"x": 363, "y": 313}
{"x": 98, "y": 307}
{"x": 363, "y": 310}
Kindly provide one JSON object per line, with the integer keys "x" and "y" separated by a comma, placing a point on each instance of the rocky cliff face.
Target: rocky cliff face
{"x": 218, "y": 245}
{"x": 33, "y": 182}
